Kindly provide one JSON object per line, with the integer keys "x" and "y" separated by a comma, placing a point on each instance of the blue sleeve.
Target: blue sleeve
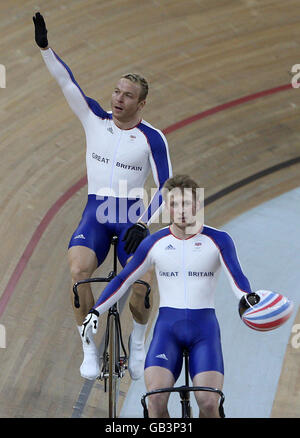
{"x": 161, "y": 168}
{"x": 231, "y": 261}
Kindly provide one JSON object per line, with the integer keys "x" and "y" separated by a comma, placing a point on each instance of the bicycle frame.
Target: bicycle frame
{"x": 113, "y": 364}
{"x": 184, "y": 392}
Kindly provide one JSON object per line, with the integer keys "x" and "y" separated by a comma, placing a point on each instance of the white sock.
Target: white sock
{"x": 89, "y": 368}
{"x": 138, "y": 333}
{"x": 137, "y": 350}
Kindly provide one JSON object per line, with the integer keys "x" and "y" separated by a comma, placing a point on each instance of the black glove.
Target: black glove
{"x": 133, "y": 237}
{"x": 246, "y": 301}
{"x": 40, "y": 31}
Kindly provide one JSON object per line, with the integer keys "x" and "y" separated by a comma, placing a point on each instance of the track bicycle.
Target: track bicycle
{"x": 184, "y": 392}
{"x": 114, "y": 357}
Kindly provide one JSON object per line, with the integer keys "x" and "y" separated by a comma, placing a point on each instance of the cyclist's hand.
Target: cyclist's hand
{"x": 40, "y": 31}
{"x": 248, "y": 300}
{"x": 90, "y": 321}
{"x": 133, "y": 237}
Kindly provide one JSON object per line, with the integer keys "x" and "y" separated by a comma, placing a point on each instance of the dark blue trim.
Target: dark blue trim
{"x": 227, "y": 248}
{"x": 160, "y": 156}
{"x": 93, "y": 104}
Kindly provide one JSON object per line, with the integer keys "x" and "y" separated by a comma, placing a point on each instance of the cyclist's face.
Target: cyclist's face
{"x": 182, "y": 207}
{"x": 125, "y": 102}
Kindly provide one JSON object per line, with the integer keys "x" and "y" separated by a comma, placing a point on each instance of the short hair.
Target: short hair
{"x": 138, "y": 79}
{"x": 181, "y": 182}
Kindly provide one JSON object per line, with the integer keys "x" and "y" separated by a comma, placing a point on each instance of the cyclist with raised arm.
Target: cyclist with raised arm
{"x": 187, "y": 257}
{"x": 121, "y": 150}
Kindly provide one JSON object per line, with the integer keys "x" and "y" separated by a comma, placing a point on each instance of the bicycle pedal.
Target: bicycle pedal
{"x": 103, "y": 375}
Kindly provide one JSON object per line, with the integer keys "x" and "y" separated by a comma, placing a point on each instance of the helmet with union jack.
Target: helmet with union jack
{"x": 265, "y": 310}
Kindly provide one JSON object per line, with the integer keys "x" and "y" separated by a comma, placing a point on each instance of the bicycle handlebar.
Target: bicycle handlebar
{"x": 107, "y": 280}
{"x": 88, "y": 280}
{"x": 183, "y": 390}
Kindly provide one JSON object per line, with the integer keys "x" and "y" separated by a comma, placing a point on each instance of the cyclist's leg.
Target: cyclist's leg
{"x": 208, "y": 402}
{"x": 163, "y": 363}
{"x": 140, "y": 318}
{"x": 140, "y": 314}
{"x": 83, "y": 262}
{"x": 84, "y": 257}
{"x": 88, "y": 248}
{"x": 206, "y": 362}
{"x": 156, "y": 378}
{"x": 137, "y": 307}
{"x": 131, "y": 212}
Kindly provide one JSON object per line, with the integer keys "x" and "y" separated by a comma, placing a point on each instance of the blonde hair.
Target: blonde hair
{"x": 137, "y": 79}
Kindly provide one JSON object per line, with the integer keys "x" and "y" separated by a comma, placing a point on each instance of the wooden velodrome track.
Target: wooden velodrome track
{"x": 200, "y": 58}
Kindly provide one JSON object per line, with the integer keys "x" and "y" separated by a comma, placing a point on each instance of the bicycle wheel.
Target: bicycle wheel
{"x": 113, "y": 380}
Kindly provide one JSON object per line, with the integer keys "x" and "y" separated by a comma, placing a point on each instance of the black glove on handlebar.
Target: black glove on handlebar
{"x": 40, "y": 31}
{"x": 133, "y": 237}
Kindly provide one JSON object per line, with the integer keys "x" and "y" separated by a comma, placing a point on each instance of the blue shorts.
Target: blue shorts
{"x": 197, "y": 330}
{"x": 101, "y": 220}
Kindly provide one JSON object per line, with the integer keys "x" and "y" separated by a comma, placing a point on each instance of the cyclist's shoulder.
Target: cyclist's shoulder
{"x": 147, "y": 126}
{"x": 154, "y": 136}
{"x": 97, "y": 109}
{"x": 220, "y": 237}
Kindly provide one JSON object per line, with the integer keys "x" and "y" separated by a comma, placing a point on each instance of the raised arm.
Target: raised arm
{"x": 71, "y": 90}
{"x": 77, "y": 100}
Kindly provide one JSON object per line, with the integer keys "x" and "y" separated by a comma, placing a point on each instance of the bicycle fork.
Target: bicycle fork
{"x": 120, "y": 361}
